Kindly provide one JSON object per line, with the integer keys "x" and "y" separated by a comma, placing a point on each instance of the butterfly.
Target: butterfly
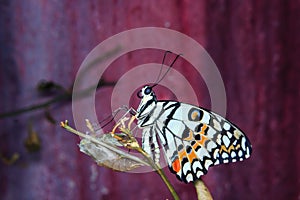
{"x": 192, "y": 138}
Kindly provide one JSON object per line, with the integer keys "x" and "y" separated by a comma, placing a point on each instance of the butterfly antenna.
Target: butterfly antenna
{"x": 163, "y": 61}
{"x": 157, "y": 81}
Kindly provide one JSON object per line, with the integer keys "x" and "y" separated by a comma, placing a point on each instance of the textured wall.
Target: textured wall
{"x": 254, "y": 44}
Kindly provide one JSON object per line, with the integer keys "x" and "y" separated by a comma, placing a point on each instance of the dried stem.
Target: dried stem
{"x": 132, "y": 144}
{"x": 92, "y": 139}
{"x": 161, "y": 173}
{"x": 202, "y": 191}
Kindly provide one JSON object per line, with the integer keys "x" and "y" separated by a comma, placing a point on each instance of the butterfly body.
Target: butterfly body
{"x": 192, "y": 138}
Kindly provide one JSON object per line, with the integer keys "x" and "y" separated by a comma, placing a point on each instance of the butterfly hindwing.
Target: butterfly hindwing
{"x": 194, "y": 139}
{"x": 187, "y": 157}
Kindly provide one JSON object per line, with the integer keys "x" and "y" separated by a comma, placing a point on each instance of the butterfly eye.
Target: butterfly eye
{"x": 139, "y": 94}
{"x": 147, "y": 90}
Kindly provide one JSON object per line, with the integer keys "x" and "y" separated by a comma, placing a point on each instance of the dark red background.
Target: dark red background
{"x": 254, "y": 44}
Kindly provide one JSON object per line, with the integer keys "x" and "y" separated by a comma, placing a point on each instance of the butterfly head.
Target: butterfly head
{"x": 145, "y": 92}
{"x": 148, "y": 99}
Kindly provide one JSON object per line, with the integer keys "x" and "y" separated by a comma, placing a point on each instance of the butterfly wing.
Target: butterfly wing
{"x": 194, "y": 139}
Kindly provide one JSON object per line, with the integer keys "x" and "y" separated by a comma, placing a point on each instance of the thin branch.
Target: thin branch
{"x": 66, "y": 95}
{"x": 35, "y": 106}
{"x": 59, "y": 98}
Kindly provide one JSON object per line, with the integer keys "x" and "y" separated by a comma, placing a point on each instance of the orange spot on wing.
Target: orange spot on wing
{"x": 203, "y": 138}
{"x": 195, "y": 114}
{"x": 190, "y": 137}
{"x": 195, "y": 145}
{"x": 176, "y": 165}
{"x": 223, "y": 148}
{"x": 192, "y": 156}
{"x": 181, "y": 154}
{"x": 203, "y": 128}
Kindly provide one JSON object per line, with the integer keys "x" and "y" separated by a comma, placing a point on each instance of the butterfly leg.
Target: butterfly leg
{"x": 124, "y": 126}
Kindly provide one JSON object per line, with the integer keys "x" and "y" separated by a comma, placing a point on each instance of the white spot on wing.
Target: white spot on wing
{"x": 186, "y": 167}
{"x": 217, "y": 125}
{"x": 237, "y": 134}
{"x": 207, "y": 164}
{"x": 211, "y": 145}
{"x": 218, "y": 140}
{"x": 205, "y": 118}
{"x": 240, "y": 153}
{"x": 216, "y": 153}
{"x": 226, "y": 141}
{"x": 233, "y": 154}
{"x": 226, "y": 126}
{"x": 229, "y": 135}
{"x": 224, "y": 155}
{"x": 196, "y": 165}
{"x": 248, "y": 153}
{"x": 199, "y": 173}
{"x": 189, "y": 177}
{"x": 243, "y": 143}
{"x": 234, "y": 143}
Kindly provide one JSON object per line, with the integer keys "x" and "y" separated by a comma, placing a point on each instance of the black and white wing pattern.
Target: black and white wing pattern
{"x": 192, "y": 138}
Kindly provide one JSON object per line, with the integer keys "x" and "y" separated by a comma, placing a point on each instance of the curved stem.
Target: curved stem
{"x": 160, "y": 172}
{"x": 59, "y": 98}
{"x": 34, "y": 106}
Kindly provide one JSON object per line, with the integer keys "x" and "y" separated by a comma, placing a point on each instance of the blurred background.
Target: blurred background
{"x": 43, "y": 43}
